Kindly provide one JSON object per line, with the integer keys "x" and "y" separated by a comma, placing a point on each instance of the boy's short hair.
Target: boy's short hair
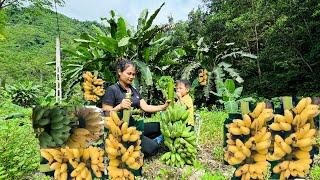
{"x": 185, "y": 82}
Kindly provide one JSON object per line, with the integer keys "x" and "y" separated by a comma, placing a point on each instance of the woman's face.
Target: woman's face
{"x": 128, "y": 75}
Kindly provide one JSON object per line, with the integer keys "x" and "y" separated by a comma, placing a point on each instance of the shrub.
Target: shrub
{"x": 19, "y": 149}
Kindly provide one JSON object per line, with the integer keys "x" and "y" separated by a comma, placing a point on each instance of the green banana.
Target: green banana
{"x": 43, "y": 122}
{"x": 57, "y": 119}
{"x": 57, "y": 126}
{"x": 39, "y": 113}
{"x": 57, "y": 139}
{"x": 185, "y": 115}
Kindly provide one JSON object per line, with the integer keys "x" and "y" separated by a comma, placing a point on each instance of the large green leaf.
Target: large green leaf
{"x": 152, "y": 17}
{"x": 98, "y": 31}
{"x": 109, "y": 44}
{"x": 187, "y": 70}
{"x": 145, "y": 71}
{"x": 121, "y": 29}
{"x": 231, "y": 106}
{"x": 123, "y": 42}
{"x": 142, "y": 19}
{"x": 230, "y": 86}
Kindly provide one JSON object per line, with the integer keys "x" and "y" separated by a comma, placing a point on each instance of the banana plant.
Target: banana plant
{"x": 229, "y": 94}
{"x": 100, "y": 51}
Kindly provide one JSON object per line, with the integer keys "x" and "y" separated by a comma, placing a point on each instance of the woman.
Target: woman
{"x": 114, "y": 100}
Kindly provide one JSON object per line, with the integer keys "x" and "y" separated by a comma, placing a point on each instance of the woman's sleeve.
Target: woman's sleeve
{"x": 109, "y": 97}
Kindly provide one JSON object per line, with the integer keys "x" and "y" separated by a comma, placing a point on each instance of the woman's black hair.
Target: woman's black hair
{"x": 185, "y": 82}
{"x": 123, "y": 64}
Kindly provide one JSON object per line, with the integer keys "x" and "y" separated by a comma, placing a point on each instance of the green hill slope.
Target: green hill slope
{"x": 30, "y": 43}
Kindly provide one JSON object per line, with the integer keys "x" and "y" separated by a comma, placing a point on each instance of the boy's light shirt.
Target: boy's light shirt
{"x": 187, "y": 101}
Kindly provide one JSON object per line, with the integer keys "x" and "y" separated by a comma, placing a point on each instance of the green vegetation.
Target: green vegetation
{"x": 30, "y": 37}
{"x": 260, "y": 49}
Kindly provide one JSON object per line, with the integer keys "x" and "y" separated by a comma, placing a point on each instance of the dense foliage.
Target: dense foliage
{"x": 283, "y": 34}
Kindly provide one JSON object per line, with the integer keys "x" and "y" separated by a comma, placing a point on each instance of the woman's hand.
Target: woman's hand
{"x": 125, "y": 104}
{"x": 166, "y": 104}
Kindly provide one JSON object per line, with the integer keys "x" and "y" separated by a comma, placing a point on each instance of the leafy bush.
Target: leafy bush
{"x": 19, "y": 149}
{"x": 24, "y": 94}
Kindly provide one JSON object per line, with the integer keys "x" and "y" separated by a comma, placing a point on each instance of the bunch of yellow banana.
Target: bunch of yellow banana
{"x": 52, "y": 155}
{"x": 60, "y": 170}
{"x": 93, "y": 122}
{"x": 303, "y": 138}
{"x": 80, "y": 172}
{"x": 96, "y": 156}
{"x": 236, "y": 154}
{"x": 240, "y": 127}
{"x": 133, "y": 158}
{"x": 282, "y": 123}
{"x": 57, "y": 162}
{"x": 280, "y": 149}
{"x": 261, "y": 142}
{"x": 80, "y": 138}
{"x": 253, "y": 171}
{"x": 304, "y": 111}
{"x": 78, "y": 157}
{"x": 116, "y": 173}
{"x": 58, "y": 159}
{"x": 130, "y": 134}
{"x": 299, "y": 168}
{"x": 203, "y": 77}
{"x": 120, "y": 136}
{"x": 93, "y": 87}
{"x": 261, "y": 115}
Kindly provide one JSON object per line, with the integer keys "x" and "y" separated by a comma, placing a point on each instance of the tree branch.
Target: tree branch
{"x": 9, "y": 4}
{"x": 1, "y": 3}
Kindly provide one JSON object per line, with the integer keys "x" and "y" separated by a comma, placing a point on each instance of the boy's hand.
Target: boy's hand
{"x": 178, "y": 94}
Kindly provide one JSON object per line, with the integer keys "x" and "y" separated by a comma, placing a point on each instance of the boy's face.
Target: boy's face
{"x": 181, "y": 89}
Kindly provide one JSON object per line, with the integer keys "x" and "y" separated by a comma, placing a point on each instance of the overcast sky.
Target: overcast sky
{"x": 93, "y": 10}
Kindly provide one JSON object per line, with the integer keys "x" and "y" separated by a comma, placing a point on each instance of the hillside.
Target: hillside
{"x": 30, "y": 43}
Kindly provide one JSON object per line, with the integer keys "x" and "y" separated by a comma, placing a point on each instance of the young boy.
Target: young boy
{"x": 182, "y": 91}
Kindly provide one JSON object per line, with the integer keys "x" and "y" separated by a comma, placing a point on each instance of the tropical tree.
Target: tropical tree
{"x": 147, "y": 46}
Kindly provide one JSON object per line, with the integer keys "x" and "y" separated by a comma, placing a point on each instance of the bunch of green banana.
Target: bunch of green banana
{"x": 178, "y": 137}
{"x": 52, "y": 125}
{"x": 175, "y": 112}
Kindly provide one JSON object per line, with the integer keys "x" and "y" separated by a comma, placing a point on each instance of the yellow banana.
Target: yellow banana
{"x": 285, "y": 126}
{"x": 258, "y": 109}
{"x": 300, "y": 106}
{"x": 288, "y": 116}
{"x": 275, "y": 127}
{"x": 279, "y": 118}
{"x": 247, "y": 120}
